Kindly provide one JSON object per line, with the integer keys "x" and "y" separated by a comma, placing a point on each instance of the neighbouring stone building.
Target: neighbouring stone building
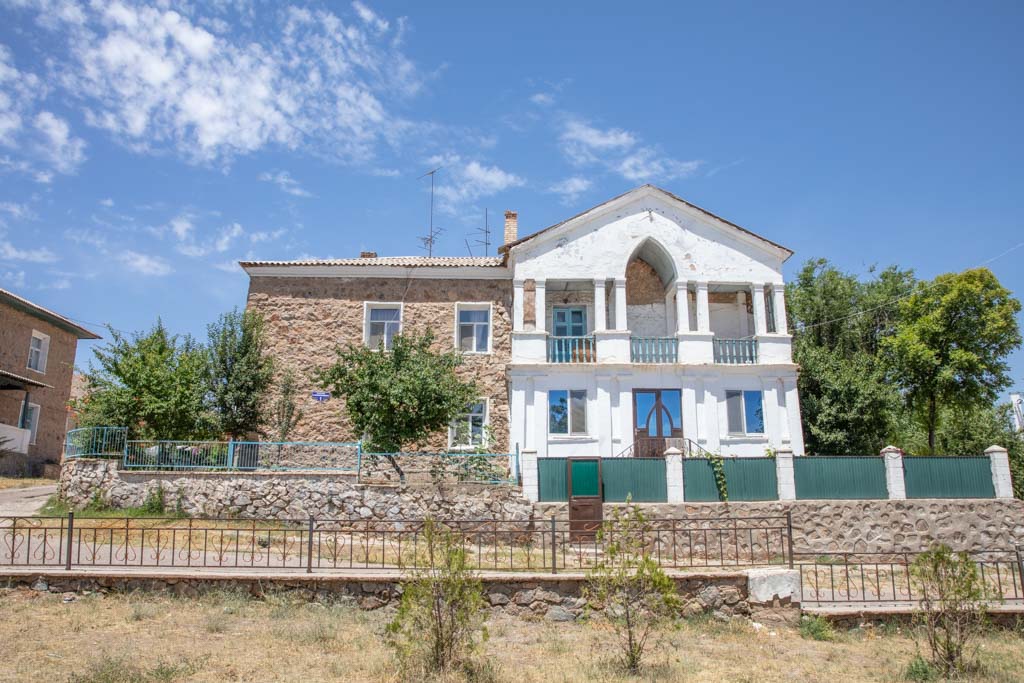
{"x": 641, "y": 324}
{"x": 37, "y": 358}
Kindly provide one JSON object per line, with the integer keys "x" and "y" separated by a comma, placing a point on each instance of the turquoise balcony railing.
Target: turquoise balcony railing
{"x": 735, "y": 351}
{"x": 654, "y": 349}
{"x": 572, "y": 350}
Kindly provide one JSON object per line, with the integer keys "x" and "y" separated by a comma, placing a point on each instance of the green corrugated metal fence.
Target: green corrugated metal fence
{"x": 948, "y": 477}
{"x": 554, "y": 484}
{"x": 745, "y": 479}
{"x": 837, "y": 478}
{"x": 643, "y": 478}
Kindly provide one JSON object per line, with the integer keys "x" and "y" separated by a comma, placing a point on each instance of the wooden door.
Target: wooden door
{"x": 585, "y": 497}
{"x": 657, "y": 421}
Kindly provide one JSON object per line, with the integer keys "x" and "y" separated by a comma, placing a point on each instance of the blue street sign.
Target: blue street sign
{"x": 321, "y": 396}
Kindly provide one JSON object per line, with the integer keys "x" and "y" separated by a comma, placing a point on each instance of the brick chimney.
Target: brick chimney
{"x": 367, "y": 254}
{"x": 511, "y": 227}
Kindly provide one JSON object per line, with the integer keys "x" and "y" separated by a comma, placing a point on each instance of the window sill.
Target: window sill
{"x": 572, "y": 438}
{"x": 744, "y": 438}
{"x": 38, "y": 372}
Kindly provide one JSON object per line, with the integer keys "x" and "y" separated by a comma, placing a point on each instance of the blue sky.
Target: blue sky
{"x": 146, "y": 147}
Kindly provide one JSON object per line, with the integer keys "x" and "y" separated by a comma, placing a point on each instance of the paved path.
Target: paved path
{"x": 26, "y": 501}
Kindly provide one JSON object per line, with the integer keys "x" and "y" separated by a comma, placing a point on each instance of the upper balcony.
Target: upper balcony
{"x": 648, "y": 317}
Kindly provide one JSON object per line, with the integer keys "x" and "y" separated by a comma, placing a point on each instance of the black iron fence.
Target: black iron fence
{"x": 864, "y": 578}
{"x": 548, "y": 545}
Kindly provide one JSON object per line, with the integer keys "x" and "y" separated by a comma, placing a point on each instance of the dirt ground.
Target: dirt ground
{"x": 228, "y": 637}
{"x": 22, "y": 483}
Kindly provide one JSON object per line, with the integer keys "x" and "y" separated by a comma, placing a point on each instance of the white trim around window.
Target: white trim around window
{"x": 368, "y": 307}
{"x": 476, "y": 325}
{"x": 38, "y": 350}
{"x": 468, "y": 418}
{"x": 33, "y": 420}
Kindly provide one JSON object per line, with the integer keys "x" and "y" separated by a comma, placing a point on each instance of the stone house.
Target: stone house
{"x": 641, "y": 324}
{"x": 37, "y": 358}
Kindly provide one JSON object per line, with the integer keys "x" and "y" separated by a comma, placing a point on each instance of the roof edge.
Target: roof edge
{"x": 47, "y": 315}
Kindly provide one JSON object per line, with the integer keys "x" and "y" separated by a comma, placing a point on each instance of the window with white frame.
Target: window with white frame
{"x": 469, "y": 430}
{"x": 38, "y": 349}
{"x": 745, "y": 411}
{"x": 473, "y": 328}
{"x": 567, "y": 411}
{"x": 383, "y": 323}
{"x": 31, "y": 420}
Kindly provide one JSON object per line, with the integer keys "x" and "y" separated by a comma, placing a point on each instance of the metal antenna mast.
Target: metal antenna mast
{"x": 485, "y": 235}
{"x": 432, "y": 235}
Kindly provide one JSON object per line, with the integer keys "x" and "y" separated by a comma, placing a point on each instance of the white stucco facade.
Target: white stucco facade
{"x": 714, "y": 333}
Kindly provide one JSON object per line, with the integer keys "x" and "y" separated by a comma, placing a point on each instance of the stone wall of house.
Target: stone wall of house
{"x": 286, "y": 495}
{"x": 867, "y": 526}
{"x": 307, "y": 318}
{"x": 643, "y": 285}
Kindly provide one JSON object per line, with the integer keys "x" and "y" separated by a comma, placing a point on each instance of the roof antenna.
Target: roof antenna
{"x": 485, "y": 239}
{"x": 468, "y": 248}
{"x": 428, "y": 242}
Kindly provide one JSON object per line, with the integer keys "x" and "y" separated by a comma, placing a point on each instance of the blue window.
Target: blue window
{"x": 745, "y": 412}
{"x": 569, "y": 321}
{"x": 567, "y": 411}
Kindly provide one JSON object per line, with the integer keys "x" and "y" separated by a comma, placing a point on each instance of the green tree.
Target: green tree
{"x": 401, "y": 396}
{"x": 285, "y": 412}
{"x": 950, "y": 345}
{"x": 153, "y": 383}
{"x": 239, "y": 372}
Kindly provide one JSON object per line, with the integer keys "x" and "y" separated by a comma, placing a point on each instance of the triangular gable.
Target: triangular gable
{"x": 557, "y": 229}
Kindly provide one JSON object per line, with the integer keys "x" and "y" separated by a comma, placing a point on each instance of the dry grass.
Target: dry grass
{"x": 229, "y": 637}
{"x": 24, "y": 483}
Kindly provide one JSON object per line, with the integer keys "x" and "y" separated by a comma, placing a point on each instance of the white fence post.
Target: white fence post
{"x": 674, "y": 475}
{"x": 999, "y": 460}
{"x": 531, "y": 479}
{"x": 784, "y": 474}
{"x": 894, "y": 481}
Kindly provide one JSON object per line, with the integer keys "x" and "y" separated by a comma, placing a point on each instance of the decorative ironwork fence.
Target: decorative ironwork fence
{"x": 527, "y": 545}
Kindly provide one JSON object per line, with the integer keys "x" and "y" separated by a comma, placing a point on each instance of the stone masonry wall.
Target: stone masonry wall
{"x": 308, "y": 318}
{"x": 286, "y": 495}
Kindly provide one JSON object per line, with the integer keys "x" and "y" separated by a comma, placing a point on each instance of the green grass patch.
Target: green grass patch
{"x": 817, "y": 628}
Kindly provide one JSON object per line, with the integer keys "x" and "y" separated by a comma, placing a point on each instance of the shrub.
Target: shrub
{"x": 637, "y": 595}
{"x": 154, "y": 502}
{"x": 952, "y": 613}
{"x": 919, "y": 669}
{"x": 817, "y": 628}
{"x": 441, "y": 614}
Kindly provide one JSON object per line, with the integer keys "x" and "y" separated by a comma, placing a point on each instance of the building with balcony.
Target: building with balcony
{"x": 37, "y": 358}
{"x": 641, "y": 324}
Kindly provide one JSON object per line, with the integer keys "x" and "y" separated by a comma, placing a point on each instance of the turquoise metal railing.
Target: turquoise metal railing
{"x": 653, "y": 349}
{"x": 242, "y": 455}
{"x": 572, "y": 350}
{"x": 95, "y": 442}
{"x": 735, "y": 351}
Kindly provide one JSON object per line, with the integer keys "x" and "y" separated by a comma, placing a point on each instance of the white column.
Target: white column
{"x": 999, "y": 460}
{"x": 600, "y": 307}
{"x": 540, "y": 312}
{"x": 674, "y": 475}
{"x": 670, "y": 313}
{"x": 703, "y": 314}
{"x": 784, "y": 474}
{"x": 760, "y": 315}
{"x": 682, "y": 307}
{"x": 620, "y": 305}
{"x": 779, "y": 301}
{"x": 528, "y": 448}
{"x": 796, "y": 432}
{"x": 894, "y": 481}
{"x": 517, "y": 305}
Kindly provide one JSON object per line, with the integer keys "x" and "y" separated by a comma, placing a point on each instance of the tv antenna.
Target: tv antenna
{"x": 433, "y": 233}
{"x": 485, "y": 236}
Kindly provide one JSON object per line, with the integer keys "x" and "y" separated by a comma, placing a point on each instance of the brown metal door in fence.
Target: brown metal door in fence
{"x": 585, "y": 497}
{"x": 657, "y": 421}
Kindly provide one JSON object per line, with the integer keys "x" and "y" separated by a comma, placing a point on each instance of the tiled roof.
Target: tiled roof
{"x": 38, "y": 311}
{"x": 399, "y": 261}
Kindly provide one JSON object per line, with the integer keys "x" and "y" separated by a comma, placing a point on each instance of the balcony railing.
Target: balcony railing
{"x": 735, "y": 351}
{"x": 653, "y": 349}
{"x": 572, "y": 350}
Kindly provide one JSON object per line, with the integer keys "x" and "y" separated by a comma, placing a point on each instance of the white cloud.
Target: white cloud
{"x": 15, "y": 279}
{"x": 285, "y": 182}
{"x": 370, "y": 17}
{"x": 571, "y": 188}
{"x": 15, "y": 210}
{"x": 461, "y": 182}
{"x": 108, "y": 202}
{"x": 227, "y": 235}
{"x": 181, "y": 226}
{"x": 542, "y": 99}
{"x": 228, "y": 266}
{"x": 87, "y": 237}
{"x": 188, "y": 246}
{"x": 266, "y": 236}
{"x": 64, "y": 151}
{"x": 144, "y": 263}
{"x": 621, "y": 152}
{"x": 9, "y": 252}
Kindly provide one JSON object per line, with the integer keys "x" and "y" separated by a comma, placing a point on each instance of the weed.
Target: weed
{"x": 120, "y": 670}
{"x": 920, "y": 670}
{"x": 817, "y": 628}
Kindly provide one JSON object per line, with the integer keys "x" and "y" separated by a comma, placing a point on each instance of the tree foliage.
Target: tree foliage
{"x": 950, "y": 345}
{"x": 153, "y": 383}
{"x": 399, "y": 397}
{"x": 285, "y": 412}
{"x": 239, "y": 373}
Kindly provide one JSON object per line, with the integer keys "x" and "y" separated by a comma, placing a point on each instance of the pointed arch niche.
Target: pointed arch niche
{"x": 650, "y": 291}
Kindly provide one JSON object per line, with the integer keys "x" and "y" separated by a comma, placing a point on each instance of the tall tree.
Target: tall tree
{"x": 239, "y": 372}
{"x": 399, "y": 397}
{"x": 950, "y": 346}
{"x": 153, "y": 383}
{"x": 285, "y": 412}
